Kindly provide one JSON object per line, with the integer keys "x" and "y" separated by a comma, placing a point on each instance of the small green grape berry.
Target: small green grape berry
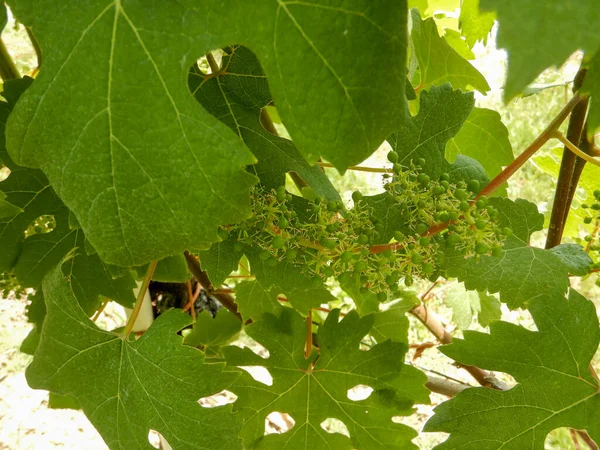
{"x": 588, "y": 238}
{"x": 480, "y": 224}
{"x": 283, "y": 223}
{"x": 445, "y": 177}
{"x": 427, "y": 268}
{"x": 392, "y": 157}
{"x": 359, "y": 266}
{"x": 473, "y": 186}
{"x": 408, "y": 281}
{"x": 481, "y": 248}
{"x": 365, "y": 252}
{"x": 280, "y": 196}
{"x": 424, "y": 241}
{"x": 507, "y": 232}
{"x": 453, "y": 238}
{"x": 399, "y": 236}
{"x": 278, "y": 242}
{"x": 423, "y": 178}
{"x": 421, "y": 162}
{"x": 328, "y": 243}
{"x": 264, "y": 255}
{"x": 438, "y": 190}
{"x": 596, "y": 206}
{"x": 392, "y": 280}
{"x": 357, "y": 196}
{"x": 464, "y": 206}
{"x": 327, "y": 271}
{"x": 453, "y": 215}
{"x": 587, "y": 220}
{"x": 346, "y": 256}
{"x": 222, "y": 233}
{"x": 597, "y": 194}
{"x": 421, "y": 228}
{"x": 421, "y": 204}
{"x": 381, "y": 297}
{"x": 362, "y": 239}
{"x": 497, "y": 251}
{"x": 416, "y": 258}
{"x": 291, "y": 254}
{"x": 397, "y": 168}
{"x": 332, "y": 206}
{"x": 444, "y": 217}
{"x": 461, "y": 194}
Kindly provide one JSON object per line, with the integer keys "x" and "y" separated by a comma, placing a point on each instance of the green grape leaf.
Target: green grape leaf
{"x": 521, "y": 272}
{"x": 128, "y": 387}
{"x": 475, "y": 25}
{"x": 483, "y": 137}
{"x": 236, "y": 95}
{"x": 367, "y": 302}
{"x": 442, "y": 113}
{"x": 220, "y": 260}
{"x": 314, "y": 389}
{"x": 43, "y": 251}
{"x": 551, "y": 366}
{"x": 574, "y": 258}
{"x": 130, "y": 140}
{"x": 439, "y": 63}
{"x": 7, "y": 209}
{"x": 253, "y": 299}
{"x": 529, "y": 22}
{"x": 465, "y": 304}
{"x": 213, "y": 332}
{"x": 591, "y": 86}
{"x": 328, "y": 106}
{"x": 172, "y": 269}
{"x": 392, "y": 323}
{"x": 490, "y": 309}
{"x": 304, "y": 299}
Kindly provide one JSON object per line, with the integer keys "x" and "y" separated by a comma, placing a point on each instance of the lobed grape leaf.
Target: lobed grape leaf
{"x": 236, "y": 94}
{"x": 531, "y": 32}
{"x": 314, "y": 389}
{"x": 438, "y": 62}
{"x": 132, "y": 141}
{"x": 551, "y": 366}
{"x": 253, "y": 299}
{"x": 466, "y": 304}
{"x": 213, "y": 332}
{"x": 442, "y": 113}
{"x": 475, "y": 25}
{"x": 521, "y": 272}
{"x": 220, "y": 260}
{"x": 128, "y": 387}
{"x": 483, "y": 137}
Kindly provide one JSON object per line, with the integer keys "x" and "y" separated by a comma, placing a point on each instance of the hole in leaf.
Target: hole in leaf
{"x": 112, "y": 317}
{"x": 333, "y": 425}
{"x": 42, "y": 225}
{"x": 359, "y": 392}
{"x": 245, "y": 341}
{"x": 278, "y": 422}
{"x": 4, "y": 173}
{"x": 259, "y": 373}
{"x": 224, "y": 397}
{"x": 210, "y": 62}
{"x": 154, "y": 438}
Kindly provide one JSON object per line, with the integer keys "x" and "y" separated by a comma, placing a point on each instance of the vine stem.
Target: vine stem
{"x": 214, "y": 67}
{"x": 568, "y": 144}
{"x": 139, "y": 301}
{"x": 531, "y": 149}
{"x": 8, "y": 70}
{"x": 436, "y": 327}
{"x": 359, "y": 168}
{"x": 309, "y": 343}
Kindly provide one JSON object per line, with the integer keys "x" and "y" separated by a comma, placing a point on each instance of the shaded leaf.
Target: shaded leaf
{"x": 253, "y": 299}
{"x": 213, "y": 332}
{"x": 542, "y": 25}
{"x": 490, "y": 309}
{"x": 315, "y": 389}
{"x": 551, "y": 366}
{"x": 127, "y": 387}
{"x": 483, "y": 137}
{"x": 236, "y": 96}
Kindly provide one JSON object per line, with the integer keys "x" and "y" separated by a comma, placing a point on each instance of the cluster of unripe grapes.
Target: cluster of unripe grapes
{"x": 592, "y": 243}
{"x": 325, "y": 240}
